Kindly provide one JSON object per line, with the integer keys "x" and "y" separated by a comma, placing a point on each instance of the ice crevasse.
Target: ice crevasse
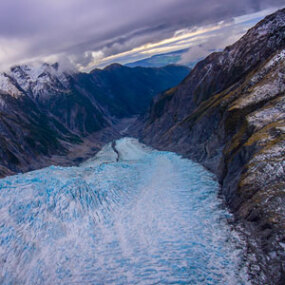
{"x": 130, "y": 215}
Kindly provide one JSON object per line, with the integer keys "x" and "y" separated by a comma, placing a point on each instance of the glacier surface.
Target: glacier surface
{"x": 149, "y": 218}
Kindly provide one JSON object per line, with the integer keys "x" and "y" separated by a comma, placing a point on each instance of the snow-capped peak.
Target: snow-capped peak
{"x": 40, "y": 80}
{"x": 8, "y": 86}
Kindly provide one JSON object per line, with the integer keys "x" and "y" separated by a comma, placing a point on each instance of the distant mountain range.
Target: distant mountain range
{"x": 160, "y": 60}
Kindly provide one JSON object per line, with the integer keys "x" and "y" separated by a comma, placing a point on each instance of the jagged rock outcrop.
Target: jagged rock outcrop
{"x": 228, "y": 114}
{"x": 45, "y": 110}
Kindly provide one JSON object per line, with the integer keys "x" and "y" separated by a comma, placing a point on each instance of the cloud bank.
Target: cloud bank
{"x": 89, "y": 32}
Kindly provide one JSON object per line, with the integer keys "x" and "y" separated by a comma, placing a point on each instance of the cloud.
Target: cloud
{"x": 225, "y": 35}
{"x": 87, "y": 31}
{"x": 216, "y": 41}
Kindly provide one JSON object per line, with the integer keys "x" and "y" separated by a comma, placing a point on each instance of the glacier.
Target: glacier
{"x": 129, "y": 215}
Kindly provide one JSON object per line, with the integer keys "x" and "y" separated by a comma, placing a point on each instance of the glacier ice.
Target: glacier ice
{"x": 150, "y": 218}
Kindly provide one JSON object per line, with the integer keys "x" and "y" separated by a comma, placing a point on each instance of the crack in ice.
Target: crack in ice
{"x": 151, "y": 217}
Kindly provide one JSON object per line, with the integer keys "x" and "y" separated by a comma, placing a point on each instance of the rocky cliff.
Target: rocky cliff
{"x": 228, "y": 114}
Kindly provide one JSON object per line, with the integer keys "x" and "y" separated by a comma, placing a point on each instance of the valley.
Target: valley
{"x": 145, "y": 175}
{"x": 46, "y": 112}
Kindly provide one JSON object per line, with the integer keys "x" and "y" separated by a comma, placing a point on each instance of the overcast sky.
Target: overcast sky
{"x": 87, "y": 33}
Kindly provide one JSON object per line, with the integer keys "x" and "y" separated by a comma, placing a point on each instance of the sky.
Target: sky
{"x": 84, "y": 34}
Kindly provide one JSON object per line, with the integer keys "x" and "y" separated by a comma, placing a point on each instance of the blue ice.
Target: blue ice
{"x": 150, "y": 218}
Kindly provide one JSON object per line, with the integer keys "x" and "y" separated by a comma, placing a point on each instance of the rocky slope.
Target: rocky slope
{"x": 228, "y": 114}
{"x": 44, "y": 110}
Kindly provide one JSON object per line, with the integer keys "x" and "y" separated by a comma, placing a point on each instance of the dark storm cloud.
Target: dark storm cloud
{"x": 75, "y": 28}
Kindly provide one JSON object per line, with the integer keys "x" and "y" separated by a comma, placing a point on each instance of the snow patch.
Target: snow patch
{"x": 7, "y": 86}
{"x": 267, "y": 115}
{"x": 276, "y": 59}
{"x": 39, "y": 81}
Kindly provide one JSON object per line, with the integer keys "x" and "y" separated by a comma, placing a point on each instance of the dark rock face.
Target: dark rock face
{"x": 28, "y": 134}
{"x": 44, "y": 111}
{"x": 228, "y": 114}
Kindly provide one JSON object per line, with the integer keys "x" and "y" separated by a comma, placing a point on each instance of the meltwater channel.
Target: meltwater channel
{"x": 130, "y": 215}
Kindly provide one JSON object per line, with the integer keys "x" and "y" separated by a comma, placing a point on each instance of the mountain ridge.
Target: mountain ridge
{"x": 228, "y": 114}
{"x": 163, "y": 59}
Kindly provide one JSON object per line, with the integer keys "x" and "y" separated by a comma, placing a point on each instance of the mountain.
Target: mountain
{"x": 229, "y": 115}
{"x": 160, "y": 60}
{"x": 44, "y": 111}
{"x": 128, "y": 91}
